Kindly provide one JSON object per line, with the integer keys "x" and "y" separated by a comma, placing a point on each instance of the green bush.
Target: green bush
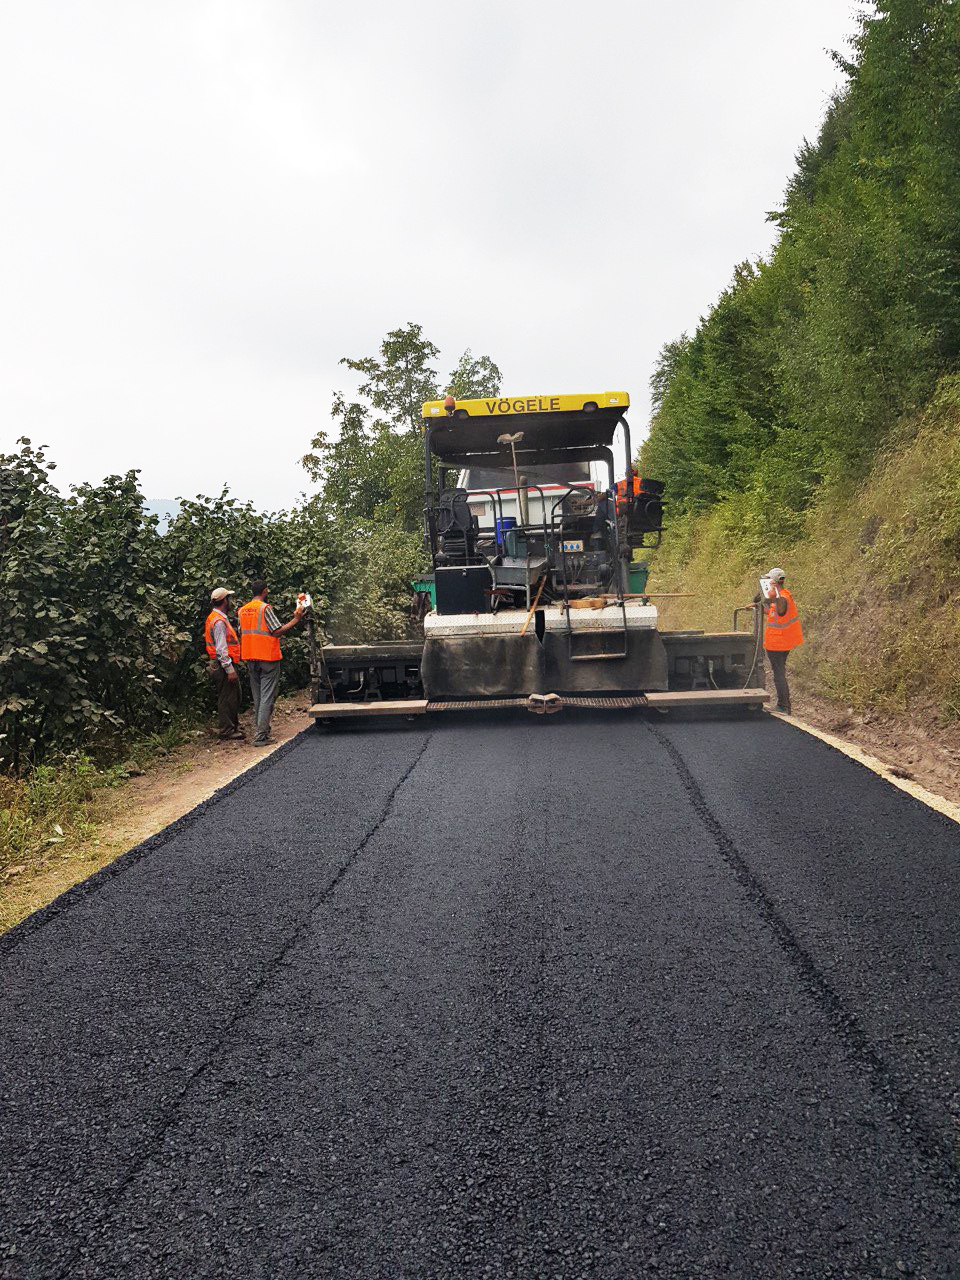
{"x": 104, "y": 642}
{"x": 105, "y": 615}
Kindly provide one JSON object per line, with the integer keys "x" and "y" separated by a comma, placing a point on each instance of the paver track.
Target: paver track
{"x": 507, "y": 998}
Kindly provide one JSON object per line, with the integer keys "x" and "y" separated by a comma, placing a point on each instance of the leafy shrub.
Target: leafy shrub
{"x": 105, "y": 614}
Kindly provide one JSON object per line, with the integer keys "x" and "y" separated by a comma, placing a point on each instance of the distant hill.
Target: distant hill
{"x": 165, "y": 508}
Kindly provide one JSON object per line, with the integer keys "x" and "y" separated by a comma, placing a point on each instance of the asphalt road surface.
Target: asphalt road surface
{"x": 570, "y": 997}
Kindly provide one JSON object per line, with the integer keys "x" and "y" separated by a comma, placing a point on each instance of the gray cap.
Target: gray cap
{"x": 221, "y": 593}
{"x": 777, "y": 575}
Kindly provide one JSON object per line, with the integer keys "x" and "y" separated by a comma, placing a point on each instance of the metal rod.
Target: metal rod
{"x": 533, "y": 607}
{"x": 513, "y": 441}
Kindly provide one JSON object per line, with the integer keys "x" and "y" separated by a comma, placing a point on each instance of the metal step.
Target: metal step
{"x": 347, "y": 710}
{"x": 709, "y": 698}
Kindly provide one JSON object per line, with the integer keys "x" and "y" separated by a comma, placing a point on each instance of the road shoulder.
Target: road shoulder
{"x": 893, "y": 772}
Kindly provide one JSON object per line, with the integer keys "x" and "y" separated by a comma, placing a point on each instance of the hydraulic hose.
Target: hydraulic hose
{"x": 756, "y": 648}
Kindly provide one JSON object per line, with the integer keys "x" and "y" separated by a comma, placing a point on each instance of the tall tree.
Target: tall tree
{"x": 802, "y": 368}
{"x": 401, "y": 379}
{"x": 371, "y": 466}
{"x": 474, "y": 378}
{"x": 667, "y": 368}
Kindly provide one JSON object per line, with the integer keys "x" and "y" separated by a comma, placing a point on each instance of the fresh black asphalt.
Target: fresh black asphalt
{"x": 583, "y": 996}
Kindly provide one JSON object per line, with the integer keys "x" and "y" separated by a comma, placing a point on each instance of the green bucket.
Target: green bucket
{"x": 639, "y": 572}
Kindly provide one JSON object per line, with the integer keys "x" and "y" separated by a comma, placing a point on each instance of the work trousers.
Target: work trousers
{"x": 778, "y": 665}
{"x": 264, "y": 682}
{"x": 228, "y": 700}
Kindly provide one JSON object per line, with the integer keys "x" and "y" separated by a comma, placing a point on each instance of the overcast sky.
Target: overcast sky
{"x": 205, "y": 204}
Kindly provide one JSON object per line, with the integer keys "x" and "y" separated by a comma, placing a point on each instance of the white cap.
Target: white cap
{"x": 221, "y": 593}
{"x": 776, "y": 575}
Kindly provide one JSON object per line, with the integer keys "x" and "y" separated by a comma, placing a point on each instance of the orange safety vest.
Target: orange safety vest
{"x": 233, "y": 640}
{"x": 256, "y": 642}
{"x": 622, "y": 491}
{"x": 783, "y": 633}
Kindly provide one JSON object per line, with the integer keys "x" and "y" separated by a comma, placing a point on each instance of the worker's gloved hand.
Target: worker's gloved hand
{"x": 232, "y": 675}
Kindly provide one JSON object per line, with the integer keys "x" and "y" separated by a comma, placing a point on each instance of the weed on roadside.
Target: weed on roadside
{"x": 46, "y": 811}
{"x": 39, "y": 811}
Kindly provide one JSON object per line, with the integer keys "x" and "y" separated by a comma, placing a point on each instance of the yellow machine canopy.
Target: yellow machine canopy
{"x": 554, "y": 424}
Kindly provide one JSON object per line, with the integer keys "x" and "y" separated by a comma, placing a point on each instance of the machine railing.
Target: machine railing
{"x": 745, "y": 608}
{"x": 610, "y": 525}
{"x": 551, "y": 527}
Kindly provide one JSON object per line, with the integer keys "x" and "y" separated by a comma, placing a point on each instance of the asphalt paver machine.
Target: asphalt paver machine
{"x": 538, "y": 596}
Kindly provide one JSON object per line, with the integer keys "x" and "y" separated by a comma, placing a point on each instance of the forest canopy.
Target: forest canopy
{"x": 803, "y": 367}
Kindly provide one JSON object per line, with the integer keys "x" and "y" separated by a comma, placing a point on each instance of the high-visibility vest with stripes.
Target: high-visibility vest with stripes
{"x": 786, "y": 632}
{"x": 233, "y": 640}
{"x": 256, "y": 642}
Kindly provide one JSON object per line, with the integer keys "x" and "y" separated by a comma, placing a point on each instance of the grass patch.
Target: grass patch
{"x": 46, "y": 812}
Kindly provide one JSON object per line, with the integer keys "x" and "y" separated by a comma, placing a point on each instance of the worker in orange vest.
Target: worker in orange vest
{"x": 782, "y": 632}
{"x": 632, "y": 485}
{"x": 223, "y": 650}
{"x": 260, "y": 633}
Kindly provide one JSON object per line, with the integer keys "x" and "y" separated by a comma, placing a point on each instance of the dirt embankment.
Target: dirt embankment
{"x": 121, "y": 817}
